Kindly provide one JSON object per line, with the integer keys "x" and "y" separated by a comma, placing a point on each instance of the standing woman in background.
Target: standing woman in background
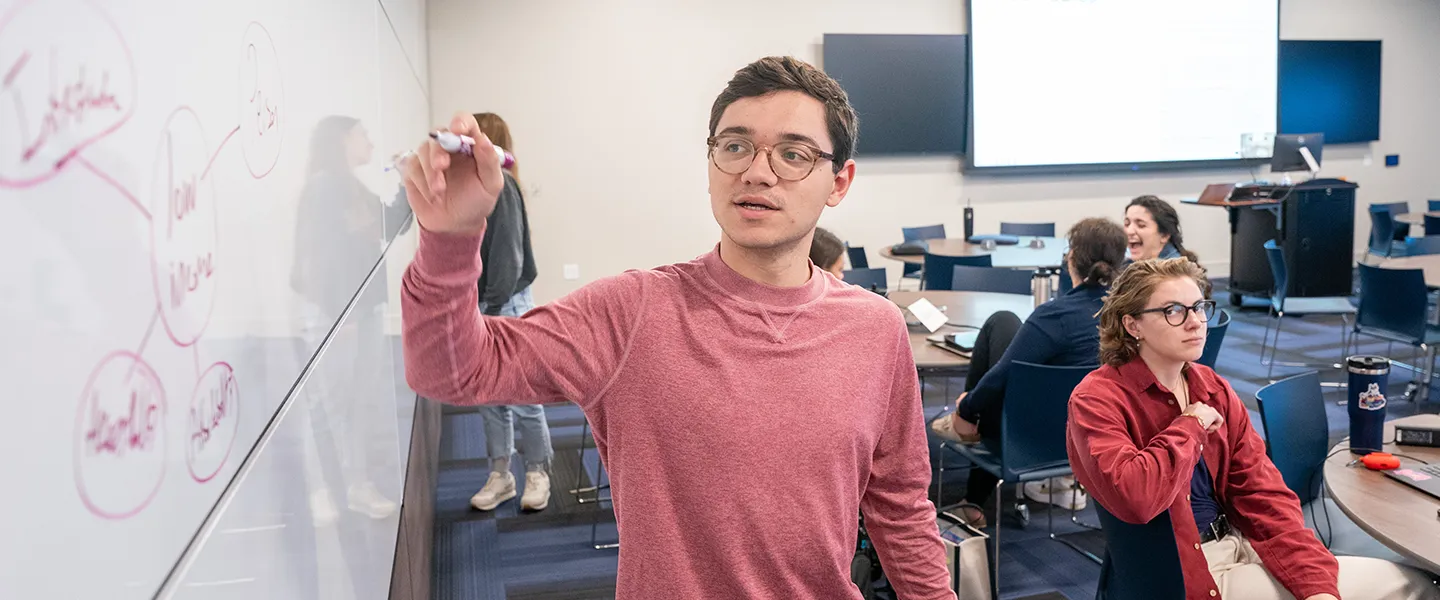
{"x": 505, "y": 291}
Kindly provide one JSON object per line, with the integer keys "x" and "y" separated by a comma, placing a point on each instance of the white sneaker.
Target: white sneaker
{"x": 537, "y": 491}
{"x": 499, "y": 488}
{"x": 368, "y": 501}
{"x": 1060, "y": 491}
{"x": 322, "y": 508}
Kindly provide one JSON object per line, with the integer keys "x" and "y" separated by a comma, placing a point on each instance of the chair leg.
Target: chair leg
{"x": 1424, "y": 395}
{"x": 1421, "y": 374}
{"x": 595, "y": 517}
{"x": 1274, "y": 349}
{"x": 1344, "y": 342}
{"x": 579, "y": 492}
{"x": 1265, "y": 338}
{"x": 580, "y": 472}
{"x": 999, "y": 504}
{"x": 600, "y": 485}
{"x": 940, "y": 478}
{"x": 1050, "y": 524}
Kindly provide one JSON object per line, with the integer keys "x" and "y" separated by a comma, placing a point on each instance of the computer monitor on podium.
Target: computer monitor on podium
{"x": 1297, "y": 152}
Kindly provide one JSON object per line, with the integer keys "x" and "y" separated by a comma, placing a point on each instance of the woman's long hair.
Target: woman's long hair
{"x": 498, "y": 131}
{"x": 329, "y": 150}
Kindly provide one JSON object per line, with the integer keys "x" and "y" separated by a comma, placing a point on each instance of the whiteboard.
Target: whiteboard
{"x": 194, "y": 190}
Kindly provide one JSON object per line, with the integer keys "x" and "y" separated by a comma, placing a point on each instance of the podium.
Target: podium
{"x": 1313, "y": 222}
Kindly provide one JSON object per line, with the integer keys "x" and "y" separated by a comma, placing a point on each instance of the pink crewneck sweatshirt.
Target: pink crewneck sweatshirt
{"x": 745, "y": 427}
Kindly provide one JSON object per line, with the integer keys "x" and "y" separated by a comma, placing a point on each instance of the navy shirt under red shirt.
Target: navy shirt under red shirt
{"x": 1135, "y": 455}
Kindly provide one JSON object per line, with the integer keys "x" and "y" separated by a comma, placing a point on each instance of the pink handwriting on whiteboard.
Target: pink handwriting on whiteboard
{"x": 119, "y": 446}
{"x": 184, "y": 228}
{"x": 262, "y": 101}
{"x": 68, "y": 81}
{"x": 214, "y": 416}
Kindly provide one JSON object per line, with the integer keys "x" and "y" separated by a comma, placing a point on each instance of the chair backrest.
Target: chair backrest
{"x": 1402, "y": 230}
{"x": 1292, "y": 412}
{"x": 915, "y": 234}
{"x": 1214, "y": 336}
{"x": 991, "y": 279}
{"x": 1382, "y": 229}
{"x": 1393, "y": 300}
{"x": 928, "y": 232}
{"x": 857, "y": 257}
{"x": 1032, "y": 423}
{"x": 1395, "y": 208}
{"x": 1427, "y": 244}
{"x": 1432, "y": 225}
{"x": 1278, "y": 272}
{"x": 940, "y": 269}
{"x": 1036, "y": 229}
{"x": 1432, "y": 206}
{"x": 870, "y": 279}
{"x": 1141, "y": 561}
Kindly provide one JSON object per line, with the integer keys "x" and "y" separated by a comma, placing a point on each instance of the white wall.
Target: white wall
{"x": 609, "y": 101}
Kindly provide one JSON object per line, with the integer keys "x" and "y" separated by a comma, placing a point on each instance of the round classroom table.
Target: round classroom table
{"x": 1014, "y": 256}
{"x": 1415, "y": 218}
{"x": 1429, "y": 263}
{"x": 964, "y": 310}
{"x": 1399, "y": 516}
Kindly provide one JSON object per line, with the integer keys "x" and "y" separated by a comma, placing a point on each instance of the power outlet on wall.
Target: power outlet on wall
{"x": 572, "y": 272}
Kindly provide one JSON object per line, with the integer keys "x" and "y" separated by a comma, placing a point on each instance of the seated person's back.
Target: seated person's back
{"x": 828, "y": 252}
{"x": 1060, "y": 332}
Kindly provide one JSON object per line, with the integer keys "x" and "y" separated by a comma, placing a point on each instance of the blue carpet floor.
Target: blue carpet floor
{"x": 507, "y": 555}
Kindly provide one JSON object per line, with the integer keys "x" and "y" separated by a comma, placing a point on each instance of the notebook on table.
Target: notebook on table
{"x": 1425, "y": 478}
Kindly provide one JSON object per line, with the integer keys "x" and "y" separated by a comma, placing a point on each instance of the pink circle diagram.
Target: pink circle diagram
{"x": 119, "y": 445}
{"x": 67, "y": 80}
{"x": 212, "y": 422}
{"x": 184, "y": 229}
{"x": 261, "y": 101}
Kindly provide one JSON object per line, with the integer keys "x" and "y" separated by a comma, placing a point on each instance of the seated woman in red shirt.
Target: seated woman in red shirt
{"x": 1150, "y": 431}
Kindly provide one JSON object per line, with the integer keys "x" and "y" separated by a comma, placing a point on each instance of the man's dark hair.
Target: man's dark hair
{"x": 783, "y": 73}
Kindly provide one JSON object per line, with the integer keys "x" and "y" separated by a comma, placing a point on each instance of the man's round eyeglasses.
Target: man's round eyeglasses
{"x": 791, "y": 161}
{"x": 1176, "y": 313}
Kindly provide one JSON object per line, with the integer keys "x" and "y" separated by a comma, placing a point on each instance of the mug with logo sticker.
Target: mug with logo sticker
{"x": 1368, "y": 379}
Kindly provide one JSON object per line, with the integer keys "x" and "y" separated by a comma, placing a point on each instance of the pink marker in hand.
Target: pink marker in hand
{"x": 465, "y": 144}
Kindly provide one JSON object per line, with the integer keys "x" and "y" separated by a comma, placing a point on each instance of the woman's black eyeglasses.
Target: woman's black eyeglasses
{"x": 1176, "y": 313}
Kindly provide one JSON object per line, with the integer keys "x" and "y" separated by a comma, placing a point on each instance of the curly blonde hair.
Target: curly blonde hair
{"x": 1129, "y": 294}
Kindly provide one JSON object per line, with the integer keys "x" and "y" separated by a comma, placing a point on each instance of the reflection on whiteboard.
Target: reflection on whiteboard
{"x": 61, "y": 95}
{"x": 157, "y": 284}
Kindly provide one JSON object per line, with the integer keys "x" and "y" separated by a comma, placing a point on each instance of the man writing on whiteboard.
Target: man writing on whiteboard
{"x": 749, "y": 405}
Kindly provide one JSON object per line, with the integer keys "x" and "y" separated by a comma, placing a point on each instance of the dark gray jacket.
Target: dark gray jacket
{"x": 509, "y": 261}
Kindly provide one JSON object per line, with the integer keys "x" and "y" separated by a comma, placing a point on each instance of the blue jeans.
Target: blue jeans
{"x": 501, "y": 421}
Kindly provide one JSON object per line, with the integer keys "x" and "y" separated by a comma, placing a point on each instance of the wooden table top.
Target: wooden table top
{"x": 1397, "y": 515}
{"x": 1014, "y": 256}
{"x": 964, "y": 309}
{"x": 1415, "y": 218}
{"x": 1429, "y": 263}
